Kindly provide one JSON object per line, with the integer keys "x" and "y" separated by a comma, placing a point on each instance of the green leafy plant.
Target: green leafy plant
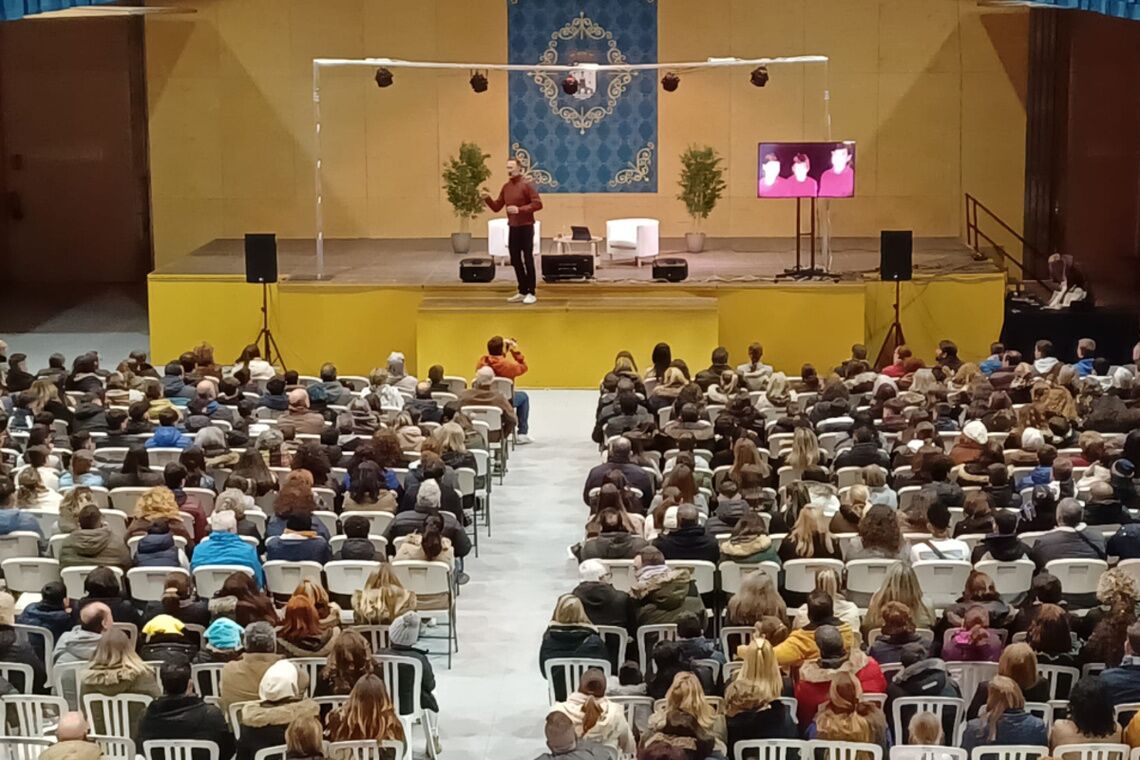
{"x": 462, "y": 177}
{"x": 702, "y": 181}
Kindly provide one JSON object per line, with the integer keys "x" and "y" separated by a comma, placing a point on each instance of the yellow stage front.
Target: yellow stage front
{"x": 570, "y": 337}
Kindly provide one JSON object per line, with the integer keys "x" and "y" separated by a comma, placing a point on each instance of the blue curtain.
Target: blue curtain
{"x": 1129, "y": 9}
{"x": 14, "y": 9}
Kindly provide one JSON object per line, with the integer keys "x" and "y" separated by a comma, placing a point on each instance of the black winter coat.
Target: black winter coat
{"x": 605, "y": 605}
{"x": 569, "y": 641}
{"x": 689, "y": 543}
{"x": 925, "y": 678}
{"x": 186, "y": 717}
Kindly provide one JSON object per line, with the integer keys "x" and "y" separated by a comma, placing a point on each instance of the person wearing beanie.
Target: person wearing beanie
{"x": 604, "y": 604}
{"x": 427, "y": 502}
{"x": 481, "y": 394}
{"x": 970, "y": 443}
{"x": 180, "y": 714}
{"x": 281, "y": 700}
{"x": 221, "y": 642}
{"x": 563, "y": 742}
{"x": 1121, "y": 478}
{"x": 403, "y": 634}
{"x": 397, "y": 376}
{"x": 300, "y": 418}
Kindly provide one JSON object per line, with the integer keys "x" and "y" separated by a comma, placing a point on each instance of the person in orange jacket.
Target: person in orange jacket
{"x": 505, "y": 360}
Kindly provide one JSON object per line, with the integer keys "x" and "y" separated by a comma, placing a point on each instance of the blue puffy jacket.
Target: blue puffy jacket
{"x": 168, "y": 438}
{"x": 157, "y": 550}
{"x": 227, "y": 549}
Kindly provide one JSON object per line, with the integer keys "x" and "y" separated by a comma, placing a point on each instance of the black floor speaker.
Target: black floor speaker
{"x": 571, "y": 266}
{"x": 477, "y": 270}
{"x": 671, "y": 270}
{"x": 260, "y": 257}
{"x": 896, "y": 251}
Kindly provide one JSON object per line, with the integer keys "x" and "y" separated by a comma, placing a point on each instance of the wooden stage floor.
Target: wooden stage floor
{"x": 430, "y": 262}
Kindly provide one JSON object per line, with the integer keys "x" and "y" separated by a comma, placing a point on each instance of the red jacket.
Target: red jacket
{"x": 815, "y": 681}
{"x": 505, "y": 366}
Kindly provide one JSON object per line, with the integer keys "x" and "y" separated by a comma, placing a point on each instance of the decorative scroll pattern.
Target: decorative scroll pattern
{"x": 537, "y": 174}
{"x": 636, "y": 171}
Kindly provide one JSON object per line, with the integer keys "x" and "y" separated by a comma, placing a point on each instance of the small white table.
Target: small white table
{"x": 564, "y": 244}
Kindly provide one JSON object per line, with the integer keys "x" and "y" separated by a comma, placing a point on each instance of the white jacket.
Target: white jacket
{"x": 611, "y": 729}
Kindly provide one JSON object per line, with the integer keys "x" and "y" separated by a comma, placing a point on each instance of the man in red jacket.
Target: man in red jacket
{"x": 505, "y": 360}
{"x": 815, "y": 675}
{"x": 521, "y": 200}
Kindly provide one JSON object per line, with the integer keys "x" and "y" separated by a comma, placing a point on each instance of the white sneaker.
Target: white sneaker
{"x": 530, "y": 299}
{"x": 516, "y": 298}
{"x": 523, "y": 439}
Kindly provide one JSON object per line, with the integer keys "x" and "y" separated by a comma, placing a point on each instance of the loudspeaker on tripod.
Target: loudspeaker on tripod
{"x": 896, "y": 252}
{"x": 261, "y": 257}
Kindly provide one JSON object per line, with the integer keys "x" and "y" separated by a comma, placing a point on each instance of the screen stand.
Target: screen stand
{"x": 799, "y": 271}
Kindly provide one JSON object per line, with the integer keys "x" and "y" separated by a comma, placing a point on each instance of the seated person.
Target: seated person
{"x": 689, "y": 541}
{"x": 940, "y": 545}
{"x": 1003, "y": 544}
{"x": 167, "y": 435}
{"x": 974, "y": 641}
{"x": 801, "y": 644}
{"x": 604, "y": 604}
{"x": 357, "y": 545}
{"x": 662, "y": 593}
{"x": 835, "y": 655}
{"x": 180, "y": 714}
{"x": 225, "y": 547}
{"x": 299, "y": 543}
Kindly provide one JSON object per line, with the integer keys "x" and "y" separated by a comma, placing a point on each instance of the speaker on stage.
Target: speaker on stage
{"x": 477, "y": 269}
{"x": 261, "y": 257}
{"x": 896, "y": 249}
{"x": 569, "y": 266}
{"x": 670, "y": 270}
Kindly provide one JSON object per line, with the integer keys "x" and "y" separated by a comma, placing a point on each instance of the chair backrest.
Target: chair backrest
{"x": 206, "y": 678}
{"x": 1010, "y": 578}
{"x": 379, "y": 519}
{"x": 367, "y": 750}
{"x": 393, "y": 668}
{"x": 148, "y": 583}
{"x": 1126, "y": 709}
{"x": 1092, "y": 751}
{"x": 632, "y": 705}
{"x": 272, "y": 753}
{"x": 346, "y": 576}
{"x": 1009, "y": 752}
{"x": 905, "y": 708}
{"x": 703, "y": 572}
{"x": 799, "y": 574}
{"x": 73, "y": 578}
{"x": 182, "y": 749}
{"x": 208, "y": 579}
{"x": 1043, "y": 710}
{"x": 32, "y": 714}
{"x": 771, "y": 749}
{"x": 424, "y": 578}
{"x": 234, "y": 715}
{"x": 732, "y": 574}
{"x": 1077, "y": 576}
{"x": 866, "y": 576}
{"x": 568, "y": 671}
{"x": 942, "y": 580}
{"x": 19, "y": 543}
{"x": 733, "y": 636}
{"x": 125, "y": 498}
{"x": 377, "y": 635}
{"x": 29, "y": 574}
{"x": 829, "y": 750}
{"x": 111, "y": 715}
{"x": 312, "y": 667}
{"x": 1061, "y": 679}
{"x": 969, "y": 674}
{"x": 621, "y": 573}
{"x": 617, "y": 640}
{"x": 648, "y": 636}
{"x": 927, "y": 752}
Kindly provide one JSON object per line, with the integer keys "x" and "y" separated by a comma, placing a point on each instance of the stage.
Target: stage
{"x": 383, "y": 295}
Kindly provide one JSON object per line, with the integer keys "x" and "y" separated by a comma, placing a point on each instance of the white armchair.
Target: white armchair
{"x": 497, "y": 232}
{"x": 641, "y": 237}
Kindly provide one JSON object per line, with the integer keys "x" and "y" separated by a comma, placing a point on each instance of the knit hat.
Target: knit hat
{"x": 1123, "y": 468}
{"x": 270, "y": 439}
{"x": 975, "y": 431}
{"x": 429, "y": 494}
{"x": 279, "y": 683}
{"x": 1032, "y": 439}
{"x": 483, "y": 377}
{"x": 592, "y": 571}
{"x": 224, "y": 633}
{"x": 395, "y": 366}
{"x": 405, "y": 630}
{"x": 163, "y": 624}
{"x": 561, "y": 737}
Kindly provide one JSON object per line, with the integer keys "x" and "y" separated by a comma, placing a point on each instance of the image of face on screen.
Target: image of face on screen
{"x": 806, "y": 170}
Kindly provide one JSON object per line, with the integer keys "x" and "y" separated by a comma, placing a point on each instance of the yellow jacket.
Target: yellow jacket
{"x": 800, "y": 646}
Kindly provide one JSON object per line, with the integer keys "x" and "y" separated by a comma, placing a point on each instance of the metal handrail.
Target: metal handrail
{"x": 974, "y": 233}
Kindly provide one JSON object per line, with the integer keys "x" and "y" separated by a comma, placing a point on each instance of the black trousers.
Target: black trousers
{"x": 520, "y": 243}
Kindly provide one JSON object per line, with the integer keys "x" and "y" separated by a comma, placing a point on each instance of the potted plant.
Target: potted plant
{"x": 702, "y": 183}
{"x": 462, "y": 177}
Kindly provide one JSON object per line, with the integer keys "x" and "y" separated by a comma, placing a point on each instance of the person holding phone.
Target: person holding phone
{"x": 521, "y": 200}
{"x": 504, "y": 358}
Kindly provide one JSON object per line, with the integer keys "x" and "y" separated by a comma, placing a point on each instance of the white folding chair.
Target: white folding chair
{"x": 942, "y": 580}
{"x": 73, "y": 578}
{"x": 1042, "y": 710}
{"x": 148, "y": 583}
{"x": 799, "y": 574}
{"x": 205, "y": 498}
{"x": 379, "y": 519}
{"x": 1061, "y": 679}
{"x": 32, "y": 714}
{"x": 1077, "y": 576}
{"x": 233, "y": 715}
{"x": 208, "y": 579}
{"x": 27, "y": 575}
{"x": 703, "y": 572}
{"x": 377, "y": 635}
{"x": 124, "y": 499}
{"x": 19, "y": 543}
{"x": 280, "y": 752}
{"x": 927, "y": 752}
{"x": 904, "y": 709}
{"x": 732, "y": 574}
{"x": 1009, "y": 752}
{"x": 23, "y": 748}
{"x": 733, "y": 637}
{"x": 969, "y": 674}
{"x": 1010, "y": 578}
{"x": 1131, "y": 568}
{"x": 326, "y": 518}
{"x": 379, "y": 543}
{"x": 427, "y": 579}
{"x": 181, "y": 749}
{"x": 772, "y": 749}
{"x": 367, "y": 750}
{"x": 311, "y": 666}
{"x": 18, "y": 674}
{"x": 866, "y": 576}
{"x": 834, "y": 750}
{"x": 282, "y": 576}
{"x": 394, "y": 670}
{"x": 621, "y": 573}
{"x": 206, "y": 678}
{"x": 569, "y": 670}
{"x": 648, "y": 636}
{"x": 1092, "y": 751}
{"x": 617, "y": 641}
{"x": 111, "y": 715}
{"x": 346, "y": 576}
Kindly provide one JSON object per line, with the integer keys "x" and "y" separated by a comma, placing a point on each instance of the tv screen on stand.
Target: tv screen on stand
{"x": 806, "y": 170}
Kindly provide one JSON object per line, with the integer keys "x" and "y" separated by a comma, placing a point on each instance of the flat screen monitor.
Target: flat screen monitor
{"x": 806, "y": 170}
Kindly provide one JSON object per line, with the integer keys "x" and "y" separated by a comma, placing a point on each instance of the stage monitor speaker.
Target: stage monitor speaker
{"x": 671, "y": 270}
{"x": 571, "y": 266}
{"x": 260, "y": 257}
{"x": 477, "y": 270}
{"x": 896, "y": 249}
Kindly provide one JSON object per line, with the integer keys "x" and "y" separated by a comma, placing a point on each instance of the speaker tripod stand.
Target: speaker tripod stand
{"x": 272, "y": 353}
{"x": 894, "y": 337}
{"x": 810, "y": 272}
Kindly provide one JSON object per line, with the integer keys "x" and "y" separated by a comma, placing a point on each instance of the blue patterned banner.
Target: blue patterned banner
{"x": 14, "y": 9}
{"x": 602, "y": 139}
{"x": 1129, "y": 9}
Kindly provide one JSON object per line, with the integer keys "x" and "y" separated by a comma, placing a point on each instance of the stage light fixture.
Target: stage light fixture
{"x": 760, "y": 76}
{"x": 570, "y": 84}
{"x": 478, "y": 81}
{"x": 670, "y": 82}
{"x": 384, "y": 77}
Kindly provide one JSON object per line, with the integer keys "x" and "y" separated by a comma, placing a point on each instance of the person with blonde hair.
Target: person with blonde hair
{"x": 777, "y": 395}
{"x": 328, "y": 611}
{"x": 383, "y": 598}
{"x": 1018, "y": 662}
{"x": 851, "y": 508}
{"x": 875, "y": 478}
{"x": 900, "y": 585}
{"x": 925, "y": 729}
{"x": 32, "y": 493}
{"x": 805, "y": 450}
{"x": 810, "y": 538}
{"x": 116, "y": 669}
{"x": 757, "y": 598}
{"x": 596, "y": 718}
{"x": 154, "y": 505}
{"x": 667, "y": 391}
{"x": 569, "y": 634}
{"x": 305, "y": 740}
{"x": 1006, "y": 720}
{"x": 687, "y": 696}
{"x": 846, "y": 717}
{"x": 828, "y": 581}
{"x": 751, "y": 702}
